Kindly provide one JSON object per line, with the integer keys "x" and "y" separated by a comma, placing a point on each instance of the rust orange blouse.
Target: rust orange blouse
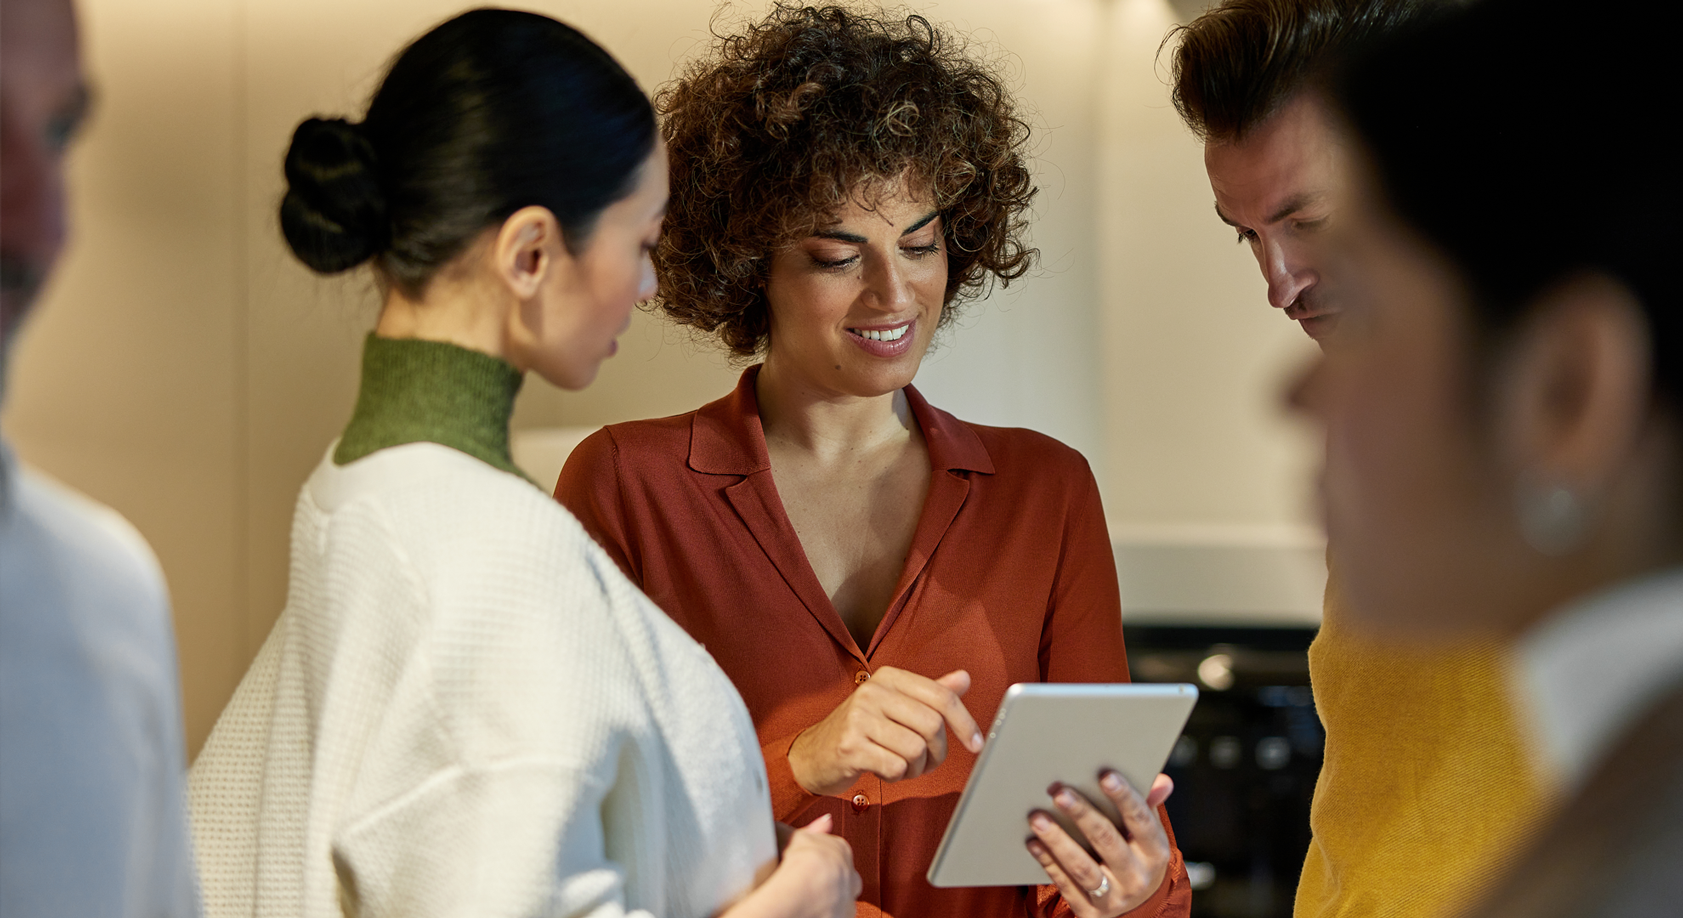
{"x": 1010, "y": 576}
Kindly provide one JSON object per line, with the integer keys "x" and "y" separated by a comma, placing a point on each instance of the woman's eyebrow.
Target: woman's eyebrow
{"x": 920, "y": 224}
{"x": 857, "y": 239}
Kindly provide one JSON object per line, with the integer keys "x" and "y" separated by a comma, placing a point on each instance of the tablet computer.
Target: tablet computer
{"x": 1049, "y": 732}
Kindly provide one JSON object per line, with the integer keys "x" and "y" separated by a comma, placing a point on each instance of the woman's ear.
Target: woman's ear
{"x": 1575, "y": 402}
{"x": 528, "y": 248}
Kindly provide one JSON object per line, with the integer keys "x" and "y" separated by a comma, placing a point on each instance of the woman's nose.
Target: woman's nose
{"x": 889, "y": 287}
{"x": 1303, "y": 391}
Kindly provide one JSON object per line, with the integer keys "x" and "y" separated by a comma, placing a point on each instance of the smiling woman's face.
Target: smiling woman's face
{"x": 854, "y": 306}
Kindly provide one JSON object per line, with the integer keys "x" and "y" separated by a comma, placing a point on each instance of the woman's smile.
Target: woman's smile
{"x": 884, "y": 340}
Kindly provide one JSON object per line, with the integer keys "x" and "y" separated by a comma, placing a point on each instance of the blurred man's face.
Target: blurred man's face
{"x": 1276, "y": 187}
{"x": 42, "y": 100}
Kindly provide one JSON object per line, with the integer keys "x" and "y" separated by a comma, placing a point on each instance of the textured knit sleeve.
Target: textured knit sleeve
{"x": 485, "y": 840}
{"x": 589, "y": 486}
{"x": 1082, "y": 642}
{"x": 484, "y": 788}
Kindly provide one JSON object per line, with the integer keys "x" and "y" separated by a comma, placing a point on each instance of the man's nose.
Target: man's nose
{"x": 1287, "y": 273}
{"x": 32, "y": 221}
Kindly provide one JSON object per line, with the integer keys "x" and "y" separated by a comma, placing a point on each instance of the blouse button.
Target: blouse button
{"x": 860, "y": 677}
{"x": 861, "y": 803}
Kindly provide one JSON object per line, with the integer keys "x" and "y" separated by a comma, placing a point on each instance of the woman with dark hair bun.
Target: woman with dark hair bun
{"x": 465, "y": 708}
{"x": 872, "y": 572}
{"x": 1504, "y": 410}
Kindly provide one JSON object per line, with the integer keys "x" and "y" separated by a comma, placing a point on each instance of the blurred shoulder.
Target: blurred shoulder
{"x": 89, "y": 549}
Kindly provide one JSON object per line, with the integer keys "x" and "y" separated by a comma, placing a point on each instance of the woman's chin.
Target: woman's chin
{"x": 880, "y": 376}
{"x": 569, "y": 376}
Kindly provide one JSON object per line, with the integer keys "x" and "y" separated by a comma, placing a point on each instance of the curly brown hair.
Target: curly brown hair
{"x": 787, "y": 122}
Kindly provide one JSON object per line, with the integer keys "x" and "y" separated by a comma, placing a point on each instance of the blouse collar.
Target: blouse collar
{"x": 726, "y": 437}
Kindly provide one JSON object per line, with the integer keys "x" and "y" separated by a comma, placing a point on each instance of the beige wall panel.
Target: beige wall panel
{"x": 126, "y": 384}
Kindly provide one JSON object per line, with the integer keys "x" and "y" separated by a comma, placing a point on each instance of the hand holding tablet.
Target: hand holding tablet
{"x": 1098, "y": 839}
{"x": 1127, "y": 862}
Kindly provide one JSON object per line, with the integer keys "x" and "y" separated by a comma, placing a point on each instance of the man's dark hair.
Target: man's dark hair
{"x": 1243, "y": 60}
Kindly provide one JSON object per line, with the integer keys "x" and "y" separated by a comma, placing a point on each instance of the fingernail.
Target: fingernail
{"x": 1112, "y": 782}
{"x": 976, "y": 741}
{"x": 1041, "y": 821}
{"x": 1066, "y": 799}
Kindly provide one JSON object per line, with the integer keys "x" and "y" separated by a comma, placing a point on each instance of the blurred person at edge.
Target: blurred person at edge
{"x": 1418, "y": 737}
{"x": 92, "y": 814}
{"x": 871, "y": 571}
{"x": 1504, "y": 448}
{"x": 464, "y": 708}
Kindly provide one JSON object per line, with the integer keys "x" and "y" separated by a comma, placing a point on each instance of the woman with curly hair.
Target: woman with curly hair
{"x": 856, "y": 559}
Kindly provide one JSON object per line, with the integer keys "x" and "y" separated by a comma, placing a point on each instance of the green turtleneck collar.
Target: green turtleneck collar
{"x": 416, "y": 391}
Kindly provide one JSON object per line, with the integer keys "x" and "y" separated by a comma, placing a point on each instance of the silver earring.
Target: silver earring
{"x": 1553, "y": 517}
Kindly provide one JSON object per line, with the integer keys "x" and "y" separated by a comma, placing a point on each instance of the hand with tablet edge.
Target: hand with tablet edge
{"x": 894, "y": 725}
{"x": 1135, "y": 856}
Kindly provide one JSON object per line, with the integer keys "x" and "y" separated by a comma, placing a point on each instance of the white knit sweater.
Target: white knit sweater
{"x": 465, "y": 708}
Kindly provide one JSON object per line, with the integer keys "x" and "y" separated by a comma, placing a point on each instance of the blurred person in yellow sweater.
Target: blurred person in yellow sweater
{"x": 1503, "y": 413}
{"x": 1426, "y": 781}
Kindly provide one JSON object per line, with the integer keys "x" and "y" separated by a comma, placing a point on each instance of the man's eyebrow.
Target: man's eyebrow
{"x": 1292, "y": 206}
{"x": 857, "y": 239}
{"x": 1285, "y": 210}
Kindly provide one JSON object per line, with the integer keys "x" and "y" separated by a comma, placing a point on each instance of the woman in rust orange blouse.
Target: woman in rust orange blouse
{"x": 870, "y": 571}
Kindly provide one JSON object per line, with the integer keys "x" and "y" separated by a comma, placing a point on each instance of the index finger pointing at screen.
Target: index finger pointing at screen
{"x": 958, "y": 716}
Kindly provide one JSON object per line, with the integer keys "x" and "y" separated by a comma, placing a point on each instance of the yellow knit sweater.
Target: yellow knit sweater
{"x": 1426, "y": 791}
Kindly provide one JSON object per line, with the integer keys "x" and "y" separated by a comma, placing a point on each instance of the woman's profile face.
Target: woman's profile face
{"x": 854, "y": 306}
{"x": 1417, "y": 511}
{"x": 589, "y": 301}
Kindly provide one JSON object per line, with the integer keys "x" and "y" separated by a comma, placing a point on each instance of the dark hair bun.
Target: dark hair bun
{"x": 489, "y": 112}
{"x": 334, "y": 213}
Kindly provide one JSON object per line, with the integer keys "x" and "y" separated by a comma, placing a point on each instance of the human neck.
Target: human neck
{"x": 452, "y": 310}
{"x": 829, "y": 425}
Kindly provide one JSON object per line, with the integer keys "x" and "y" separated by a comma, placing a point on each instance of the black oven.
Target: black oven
{"x": 1245, "y": 768}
